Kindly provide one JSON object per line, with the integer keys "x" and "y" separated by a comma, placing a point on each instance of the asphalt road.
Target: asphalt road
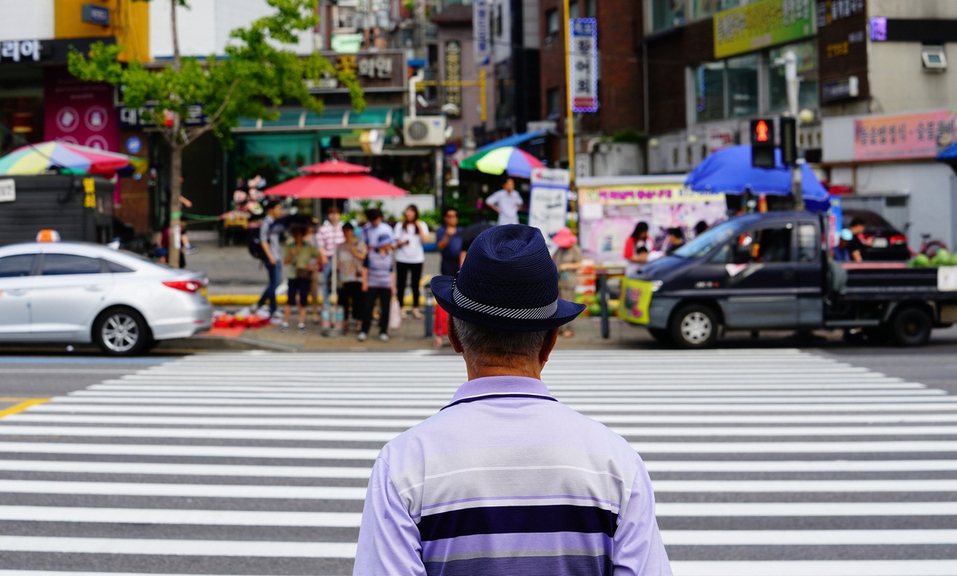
{"x": 765, "y": 460}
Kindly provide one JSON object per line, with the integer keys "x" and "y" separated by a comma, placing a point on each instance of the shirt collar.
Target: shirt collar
{"x": 498, "y": 387}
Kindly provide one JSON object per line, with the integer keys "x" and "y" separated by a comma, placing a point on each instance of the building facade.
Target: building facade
{"x": 876, "y": 97}
{"x": 606, "y": 139}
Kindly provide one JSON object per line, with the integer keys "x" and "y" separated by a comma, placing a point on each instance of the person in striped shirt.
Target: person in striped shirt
{"x": 328, "y": 238}
{"x": 506, "y": 480}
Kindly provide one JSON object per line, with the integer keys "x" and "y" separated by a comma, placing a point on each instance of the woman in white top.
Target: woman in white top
{"x": 410, "y": 234}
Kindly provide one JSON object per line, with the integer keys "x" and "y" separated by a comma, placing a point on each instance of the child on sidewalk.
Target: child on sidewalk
{"x": 302, "y": 257}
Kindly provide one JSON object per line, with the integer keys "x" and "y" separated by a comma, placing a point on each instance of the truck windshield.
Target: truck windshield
{"x": 713, "y": 238}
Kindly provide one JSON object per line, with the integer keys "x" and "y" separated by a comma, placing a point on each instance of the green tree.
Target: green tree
{"x": 257, "y": 74}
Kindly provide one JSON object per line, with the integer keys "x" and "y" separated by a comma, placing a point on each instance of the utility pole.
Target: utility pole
{"x": 569, "y": 113}
{"x": 793, "y": 89}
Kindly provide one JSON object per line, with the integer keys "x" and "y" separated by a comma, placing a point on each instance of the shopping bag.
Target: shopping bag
{"x": 395, "y": 315}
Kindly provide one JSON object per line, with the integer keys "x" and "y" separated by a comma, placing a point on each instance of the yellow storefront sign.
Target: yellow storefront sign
{"x": 760, "y": 24}
{"x": 643, "y": 194}
{"x": 635, "y": 300}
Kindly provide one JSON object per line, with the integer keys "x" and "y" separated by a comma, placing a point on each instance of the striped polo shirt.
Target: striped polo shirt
{"x": 507, "y": 480}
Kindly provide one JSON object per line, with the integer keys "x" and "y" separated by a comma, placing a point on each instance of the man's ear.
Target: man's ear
{"x": 548, "y": 345}
{"x": 454, "y": 337}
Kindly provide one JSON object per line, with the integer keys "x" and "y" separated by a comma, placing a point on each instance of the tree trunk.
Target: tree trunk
{"x": 175, "y": 217}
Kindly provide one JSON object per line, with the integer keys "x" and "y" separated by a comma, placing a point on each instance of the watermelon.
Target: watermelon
{"x": 942, "y": 258}
{"x": 594, "y": 309}
{"x": 953, "y": 259}
{"x": 921, "y": 261}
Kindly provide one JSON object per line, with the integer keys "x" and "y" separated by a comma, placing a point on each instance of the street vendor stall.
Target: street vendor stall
{"x": 609, "y": 208}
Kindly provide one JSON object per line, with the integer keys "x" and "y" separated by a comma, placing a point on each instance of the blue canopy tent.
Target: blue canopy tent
{"x": 729, "y": 171}
{"x": 515, "y": 140}
{"x": 949, "y": 153}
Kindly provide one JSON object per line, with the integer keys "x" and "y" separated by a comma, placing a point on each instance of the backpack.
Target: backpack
{"x": 254, "y": 242}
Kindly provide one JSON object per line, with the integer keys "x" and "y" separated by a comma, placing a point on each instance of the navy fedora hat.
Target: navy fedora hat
{"x": 508, "y": 281}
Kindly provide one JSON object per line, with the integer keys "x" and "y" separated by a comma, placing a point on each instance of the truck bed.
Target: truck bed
{"x": 867, "y": 280}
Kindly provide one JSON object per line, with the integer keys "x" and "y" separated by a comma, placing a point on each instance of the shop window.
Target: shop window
{"x": 743, "y": 86}
{"x": 709, "y": 92}
{"x": 806, "y": 53}
{"x": 667, "y": 14}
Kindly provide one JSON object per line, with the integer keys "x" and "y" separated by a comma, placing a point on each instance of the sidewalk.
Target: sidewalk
{"x": 236, "y": 280}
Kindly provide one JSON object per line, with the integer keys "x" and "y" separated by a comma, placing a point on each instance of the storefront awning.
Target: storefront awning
{"x": 514, "y": 140}
{"x": 330, "y": 121}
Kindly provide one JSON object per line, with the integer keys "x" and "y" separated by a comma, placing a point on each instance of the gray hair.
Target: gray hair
{"x": 485, "y": 342}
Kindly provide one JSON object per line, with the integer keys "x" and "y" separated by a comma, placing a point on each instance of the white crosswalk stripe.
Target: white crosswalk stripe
{"x": 765, "y": 462}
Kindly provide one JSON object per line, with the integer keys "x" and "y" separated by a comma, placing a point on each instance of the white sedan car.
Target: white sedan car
{"x": 79, "y": 293}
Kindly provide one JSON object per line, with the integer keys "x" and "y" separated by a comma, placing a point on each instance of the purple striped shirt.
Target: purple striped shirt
{"x": 506, "y": 480}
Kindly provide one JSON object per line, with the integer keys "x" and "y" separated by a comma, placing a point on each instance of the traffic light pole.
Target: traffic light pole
{"x": 793, "y": 87}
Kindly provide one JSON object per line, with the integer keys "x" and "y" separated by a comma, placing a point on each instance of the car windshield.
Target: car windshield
{"x": 714, "y": 237}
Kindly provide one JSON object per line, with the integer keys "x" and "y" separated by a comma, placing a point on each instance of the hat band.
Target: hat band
{"x": 540, "y": 313}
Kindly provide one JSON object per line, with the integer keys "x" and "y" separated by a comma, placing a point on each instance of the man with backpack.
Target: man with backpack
{"x": 271, "y": 255}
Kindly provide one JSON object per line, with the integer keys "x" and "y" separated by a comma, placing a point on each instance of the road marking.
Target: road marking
{"x": 178, "y": 516}
{"x": 182, "y": 490}
{"x": 374, "y": 436}
{"x": 178, "y": 547}
{"x": 188, "y": 451}
{"x": 812, "y": 568}
{"x": 22, "y": 405}
{"x": 772, "y": 446}
{"x": 802, "y": 509}
{"x": 37, "y": 415}
{"x": 909, "y": 537}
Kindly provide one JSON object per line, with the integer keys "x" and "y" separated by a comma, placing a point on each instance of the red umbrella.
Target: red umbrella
{"x": 340, "y": 186}
{"x": 335, "y": 167}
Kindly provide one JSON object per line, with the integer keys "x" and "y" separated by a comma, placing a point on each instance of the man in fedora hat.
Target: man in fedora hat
{"x": 505, "y": 479}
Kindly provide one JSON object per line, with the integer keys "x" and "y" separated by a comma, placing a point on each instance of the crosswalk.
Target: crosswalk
{"x": 765, "y": 462}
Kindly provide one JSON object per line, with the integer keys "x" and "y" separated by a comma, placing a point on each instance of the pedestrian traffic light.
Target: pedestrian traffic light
{"x": 789, "y": 149}
{"x": 762, "y": 143}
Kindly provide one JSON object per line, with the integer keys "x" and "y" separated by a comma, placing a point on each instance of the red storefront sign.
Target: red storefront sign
{"x": 79, "y": 112}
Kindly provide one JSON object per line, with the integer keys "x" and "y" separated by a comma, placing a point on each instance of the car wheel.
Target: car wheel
{"x": 121, "y": 331}
{"x": 661, "y": 336}
{"x": 911, "y": 326}
{"x": 694, "y": 326}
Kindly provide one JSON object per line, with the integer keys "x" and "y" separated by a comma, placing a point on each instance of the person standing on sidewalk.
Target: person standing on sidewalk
{"x": 449, "y": 242}
{"x": 328, "y": 239}
{"x": 302, "y": 257}
{"x": 505, "y": 479}
{"x": 568, "y": 260}
{"x": 269, "y": 233}
{"x": 349, "y": 257}
{"x": 506, "y": 202}
{"x": 410, "y": 236}
{"x": 378, "y": 283}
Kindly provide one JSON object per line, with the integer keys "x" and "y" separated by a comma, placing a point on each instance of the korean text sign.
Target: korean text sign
{"x": 902, "y": 136}
{"x": 761, "y": 24}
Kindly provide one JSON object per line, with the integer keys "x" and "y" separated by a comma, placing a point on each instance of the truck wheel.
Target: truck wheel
{"x": 121, "y": 332}
{"x": 911, "y": 326}
{"x": 694, "y": 326}
{"x": 661, "y": 336}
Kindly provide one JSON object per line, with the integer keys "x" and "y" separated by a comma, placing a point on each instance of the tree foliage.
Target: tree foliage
{"x": 256, "y": 75}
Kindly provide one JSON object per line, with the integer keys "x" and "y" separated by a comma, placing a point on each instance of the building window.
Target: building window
{"x": 553, "y": 103}
{"x": 806, "y": 53}
{"x": 591, "y": 8}
{"x": 701, "y": 9}
{"x": 667, "y": 14}
{"x": 552, "y": 25}
{"x": 573, "y": 10}
{"x": 709, "y": 92}
{"x": 743, "y": 86}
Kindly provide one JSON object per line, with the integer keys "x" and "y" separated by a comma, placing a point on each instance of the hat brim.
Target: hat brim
{"x": 442, "y": 290}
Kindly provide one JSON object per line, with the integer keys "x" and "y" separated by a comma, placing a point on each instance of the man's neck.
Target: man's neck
{"x": 527, "y": 370}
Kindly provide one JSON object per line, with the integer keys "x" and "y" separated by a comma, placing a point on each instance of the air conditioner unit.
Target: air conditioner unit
{"x": 424, "y": 131}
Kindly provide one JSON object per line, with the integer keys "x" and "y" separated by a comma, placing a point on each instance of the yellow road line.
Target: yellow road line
{"x": 17, "y": 408}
